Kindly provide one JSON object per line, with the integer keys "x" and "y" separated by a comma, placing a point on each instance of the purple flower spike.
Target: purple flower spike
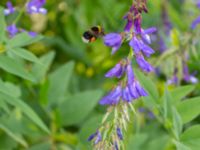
{"x": 12, "y": 30}
{"x": 117, "y": 71}
{"x": 113, "y": 97}
{"x": 144, "y": 65}
{"x": 35, "y": 6}
{"x": 119, "y": 133}
{"x": 113, "y": 40}
{"x": 10, "y": 9}
{"x": 195, "y": 22}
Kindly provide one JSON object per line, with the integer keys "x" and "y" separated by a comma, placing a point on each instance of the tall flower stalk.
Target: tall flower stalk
{"x": 114, "y": 125}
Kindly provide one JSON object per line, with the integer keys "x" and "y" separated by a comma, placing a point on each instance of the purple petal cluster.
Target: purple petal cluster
{"x": 130, "y": 91}
{"x": 10, "y": 9}
{"x": 33, "y": 6}
{"x": 36, "y": 6}
{"x": 12, "y": 30}
{"x": 113, "y": 40}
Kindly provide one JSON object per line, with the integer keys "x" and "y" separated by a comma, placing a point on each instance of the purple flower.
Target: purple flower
{"x": 186, "y": 75}
{"x": 198, "y": 4}
{"x": 128, "y": 26}
{"x": 113, "y": 40}
{"x": 195, "y": 22}
{"x": 138, "y": 45}
{"x": 10, "y": 9}
{"x": 136, "y": 90}
{"x": 116, "y": 146}
{"x": 91, "y": 137}
{"x": 36, "y": 6}
{"x": 145, "y": 34}
{"x": 126, "y": 96}
{"x": 173, "y": 80}
{"x": 12, "y": 30}
{"x": 32, "y": 34}
{"x": 97, "y": 136}
{"x": 113, "y": 97}
{"x": 130, "y": 74}
{"x": 117, "y": 71}
{"x": 119, "y": 133}
{"x": 144, "y": 65}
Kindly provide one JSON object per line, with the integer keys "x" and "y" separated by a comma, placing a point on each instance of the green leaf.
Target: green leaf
{"x": 177, "y": 123}
{"x": 191, "y": 137}
{"x": 42, "y": 146}
{"x": 22, "y": 39}
{"x": 14, "y": 136}
{"x": 39, "y": 70}
{"x": 181, "y": 92}
{"x": 25, "y": 109}
{"x": 148, "y": 85}
{"x": 181, "y": 146}
{"x": 9, "y": 88}
{"x": 59, "y": 82}
{"x": 76, "y": 108}
{"x": 12, "y": 66}
{"x": 137, "y": 141}
{"x": 167, "y": 107}
{"x": 25, "y": 54}
{"x": 3, "y": 25}
{"x": 189, "y": 109}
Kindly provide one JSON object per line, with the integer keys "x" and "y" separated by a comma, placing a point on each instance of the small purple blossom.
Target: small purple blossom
{"x": 116, "y": 71}
{"x": 143, "y": 64}
{"x": 138, "y": 45}
{"x": 195, "y": 22}
{"x": 36, "y": 6}
{"x": 10, "y": 9}
{"x": 186, "y": 75}
{"x": 97, "y": 136}
{"x": 119, "y": 133}
{"x": 113, "y": 97}
{"x": 32, "y": 34}
{"x": 113, "y": 40}
{"x": 12, "y": 30}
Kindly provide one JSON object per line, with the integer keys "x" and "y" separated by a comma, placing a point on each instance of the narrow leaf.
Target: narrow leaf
{"x": 12, "y": 66}
{"x": 25, "y": 54}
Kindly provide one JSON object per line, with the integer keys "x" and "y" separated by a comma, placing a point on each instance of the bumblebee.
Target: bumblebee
{"x": 92, "y": 34}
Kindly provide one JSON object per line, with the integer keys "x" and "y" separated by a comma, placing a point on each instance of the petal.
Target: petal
{"x": 117, "y": 71}
{"x": 130, "y": 74}
{"x": 135, "y": 44}
{"x": 195, "y": 22}
{"x": 150, "y": 30}
{"x": 147, "y": 50}
{"x": 144, "y": 65}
